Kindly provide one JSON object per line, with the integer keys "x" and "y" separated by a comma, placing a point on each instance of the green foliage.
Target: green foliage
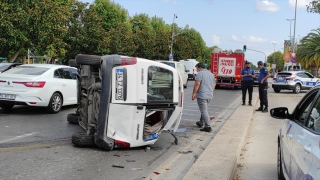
{"x": 64, "y": 28}
{"x": 308, "y": 52}
{"x": 314, "y": 6}
{"x": 276, "y": 57}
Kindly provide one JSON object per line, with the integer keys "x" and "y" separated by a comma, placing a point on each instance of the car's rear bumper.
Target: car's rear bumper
{"x": 35, "y": 98}
{"x": 283, "y": 86}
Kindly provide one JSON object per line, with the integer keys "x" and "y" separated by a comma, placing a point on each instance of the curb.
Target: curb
{"x": 219, "y": 160}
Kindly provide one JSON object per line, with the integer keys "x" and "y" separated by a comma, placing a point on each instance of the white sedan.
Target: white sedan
{"x": 44, "y": 85}
{"x": 299, "y": 139}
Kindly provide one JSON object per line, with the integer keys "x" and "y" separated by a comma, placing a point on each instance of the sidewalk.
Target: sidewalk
{"x": 258, "y": 159}
{"x": 246, "y": 146}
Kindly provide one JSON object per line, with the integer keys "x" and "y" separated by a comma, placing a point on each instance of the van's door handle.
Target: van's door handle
{"x": 307, "y": 148}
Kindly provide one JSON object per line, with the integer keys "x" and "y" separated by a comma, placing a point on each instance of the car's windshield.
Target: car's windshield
{"x": 4, "y": 66}
{"x": 27, "y": 70}
{"x": 169, "y": 63}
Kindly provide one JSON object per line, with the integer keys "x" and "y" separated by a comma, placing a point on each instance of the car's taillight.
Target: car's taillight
{"x": 121, "y": 144}
{"x": 290, "y": 78}
{"x": 35, "y": 84}
{"x": 2, "y": 81}
{"x": 128, "y": 61}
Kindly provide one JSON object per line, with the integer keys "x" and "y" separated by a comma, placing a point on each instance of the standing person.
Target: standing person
{"x": 203, "y": 91}
{"x": 247, "y": 75}
{"x": 263, "y": 87}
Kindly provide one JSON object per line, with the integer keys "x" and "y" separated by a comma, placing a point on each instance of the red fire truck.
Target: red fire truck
{"x": 226, "y": 67}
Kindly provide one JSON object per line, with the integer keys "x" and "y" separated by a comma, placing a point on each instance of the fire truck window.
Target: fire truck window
{"x": 160, "y": 84}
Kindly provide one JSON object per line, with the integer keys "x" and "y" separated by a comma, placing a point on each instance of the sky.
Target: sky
{"x": 230, "y": 24}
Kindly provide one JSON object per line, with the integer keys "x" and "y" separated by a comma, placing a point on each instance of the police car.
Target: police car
{"x": 294, "y": 80}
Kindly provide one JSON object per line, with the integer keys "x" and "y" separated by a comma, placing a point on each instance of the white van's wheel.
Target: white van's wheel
{"x": 85, "y": 59}
{"x": 73, "y": 63}
{"x": 81, "y": 139}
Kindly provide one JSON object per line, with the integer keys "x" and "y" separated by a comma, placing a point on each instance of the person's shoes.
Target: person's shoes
{"x": 265, "y": 110}
{"x": 206, "y": 129}
{"x": 259, "y": 109}
{"x": 199, "y": 124}
{"x": 250, "y": 103}
{"x": 243, "y": 103}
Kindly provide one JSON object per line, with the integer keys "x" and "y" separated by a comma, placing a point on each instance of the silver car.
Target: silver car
{"x": 294, "y": 80}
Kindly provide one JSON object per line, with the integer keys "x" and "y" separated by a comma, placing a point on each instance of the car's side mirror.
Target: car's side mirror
{"x": 279, "y": 113}
{"x": 187, "y": 70}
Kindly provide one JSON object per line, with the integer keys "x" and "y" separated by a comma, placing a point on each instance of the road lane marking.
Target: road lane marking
{"x": 18, "y": 137}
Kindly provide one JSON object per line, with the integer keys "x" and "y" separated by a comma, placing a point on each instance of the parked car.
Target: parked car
{"x": 125, "y": 101}
{"x": 181, "y": 68}
{"x": 44, "y": 85}
{"x": 299, "y": 139}
{"x": 255, "y": 80}
{"x": 190, "y": 65}
{"x": 6, "y": 66}
{"x": 294, "y": 80}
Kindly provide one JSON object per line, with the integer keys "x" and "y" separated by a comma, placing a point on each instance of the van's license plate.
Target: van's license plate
{"x": 119, "y": 84}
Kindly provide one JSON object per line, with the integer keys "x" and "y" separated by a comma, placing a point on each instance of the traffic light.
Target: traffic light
{"x": 244, "y": 48}
{"x": 205, "y": 63}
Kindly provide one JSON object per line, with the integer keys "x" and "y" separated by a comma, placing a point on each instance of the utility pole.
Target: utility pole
{"x": 294, "y": 31}
{"x": 172, "y": 36}
{"x": 274, "y": 50}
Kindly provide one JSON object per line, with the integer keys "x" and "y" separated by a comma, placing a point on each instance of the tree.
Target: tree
{"x": 314, "y": 6}
{"x": 308, "y": 52}
{"x": 277, "y": 58}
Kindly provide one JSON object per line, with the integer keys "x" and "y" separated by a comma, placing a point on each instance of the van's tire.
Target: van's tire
{"x": 55, "y": 103}
{"x": 6, "y": 106}
{"x": 81, "y": 139}
{"x": 72, "y": 118}
{"x": 297, "y": 89}
{"x": 73, "y": 63}
{"x": 276, "y": 90}
{"x": 85, "y": 59}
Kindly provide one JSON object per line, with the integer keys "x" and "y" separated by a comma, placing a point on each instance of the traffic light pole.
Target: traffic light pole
{"x": 259, "y": 52}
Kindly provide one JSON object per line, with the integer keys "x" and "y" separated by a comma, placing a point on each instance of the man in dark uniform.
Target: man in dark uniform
{"x": 247, "y": 75}
{"x": 263, "y": 87}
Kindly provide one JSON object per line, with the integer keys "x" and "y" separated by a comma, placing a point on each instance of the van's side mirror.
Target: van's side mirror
{"x": 187, "y": 70}
{"x": 279, "y": 113}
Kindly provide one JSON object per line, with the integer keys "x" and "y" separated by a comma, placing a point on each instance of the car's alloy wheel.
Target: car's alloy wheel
{"x": 55, "y": 103}
{"x": 297, "y": 89}
{"x": 279, "y": 165}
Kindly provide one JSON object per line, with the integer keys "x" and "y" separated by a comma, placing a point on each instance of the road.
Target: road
{"x": 36, "y": 145}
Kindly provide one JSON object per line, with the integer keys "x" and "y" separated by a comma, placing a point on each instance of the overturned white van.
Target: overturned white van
{"x": 125, "y": 101}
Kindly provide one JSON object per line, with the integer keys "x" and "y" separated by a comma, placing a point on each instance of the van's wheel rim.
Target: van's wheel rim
{"x": 56, "y": 103}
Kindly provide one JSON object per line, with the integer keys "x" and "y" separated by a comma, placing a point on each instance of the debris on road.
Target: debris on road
{"x": 117, "y": 165}
{"x": 118, "y": 155}
{"x": 166, "y": 169}
{"x": 131, "y": 160}
{"x": 156, "y": 173}
{"x": 185, "y": 152}
{"x": 135, "y": 169}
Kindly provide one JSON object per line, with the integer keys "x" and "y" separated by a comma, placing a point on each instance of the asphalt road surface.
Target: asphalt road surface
{"x": 36, "y": 145}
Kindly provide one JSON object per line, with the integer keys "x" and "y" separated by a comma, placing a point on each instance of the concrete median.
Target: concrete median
{"x": 219, "y": 159}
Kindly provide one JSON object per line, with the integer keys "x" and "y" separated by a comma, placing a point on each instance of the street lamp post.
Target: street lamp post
{"x": 294, "y": 31}
{"x": 172, "y": 36}
{"x": 290, "y": 33}
{"x": 274, "y": 50}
